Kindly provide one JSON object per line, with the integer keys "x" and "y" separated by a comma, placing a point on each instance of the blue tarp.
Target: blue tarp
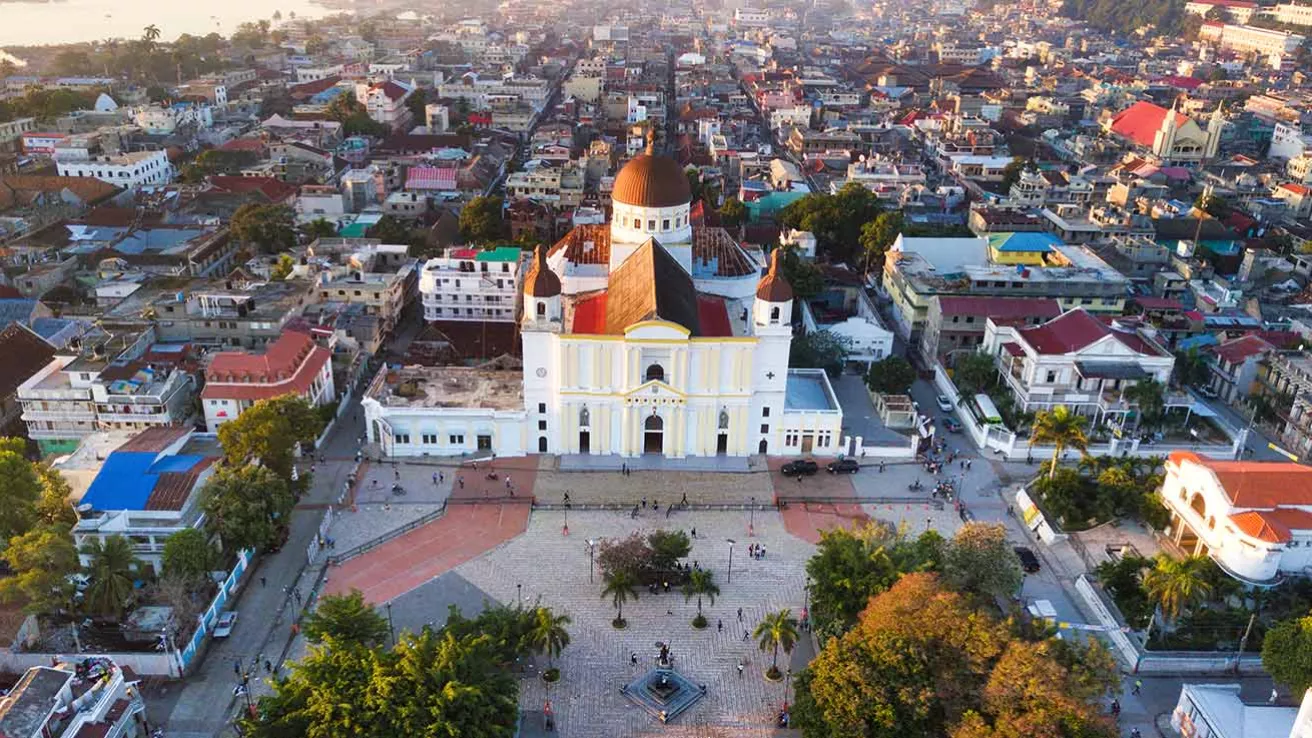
{"x": 128, "y": 478}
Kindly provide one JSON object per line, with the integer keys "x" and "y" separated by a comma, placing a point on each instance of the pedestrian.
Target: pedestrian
{"x": 684, "y": 501}
{"x": 694, "y": 532}
{"x": 667, "y": 585}
{"x": 566, "y": 498}
{"x": 1138, "y": 685}
{"x": 1275, "y": 695}
{"x": 799, "y": 479}
{"x": 396, "y": 475}
{"x": 434, "y": 479}
{"x": 268, "y": 667}
{"x": 719, "y": 625}
{"x": 633, "y": 658}
{"x": 644, "y": 503}
{"x": 236, "y": 666}
{"x": 655, "y": 506}
{"x": 440, "y": 477}
{"x": 1116, "y": 708}
{"x": 740, "y": 669}
{"x": 740, "y": 614}
{"x": 461, "y": 482}
{"x": 881, "y": 465}
{"x": 745, "y": 636}
{"x": 1134, "y": 733}
{"x": 968, "y": 463}
{"x": 668, "y": 510}
{"x": 634, "y": 514}
{"x": 507, "y": 481}
{"x": 264, "y": 582}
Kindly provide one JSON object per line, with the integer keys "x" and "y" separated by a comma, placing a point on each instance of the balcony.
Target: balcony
{"x": 57, "y": 416}
{"x": 161, "y": 418}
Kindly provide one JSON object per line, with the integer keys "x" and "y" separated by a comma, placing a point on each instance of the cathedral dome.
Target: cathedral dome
{"x": 773, "y": 287}
{"x": 652, "y": 181}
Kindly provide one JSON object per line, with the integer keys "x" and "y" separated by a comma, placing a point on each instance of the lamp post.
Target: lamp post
{"x": 519, "y": 595}
{"x": 729, "y": 577}
{"x": 751, "y": 526}
{"x": 391, "y": 627}
{"x": 592, "y": 546}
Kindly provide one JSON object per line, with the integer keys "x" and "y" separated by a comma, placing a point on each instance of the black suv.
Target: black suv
{"x": 802, "y": 467}
{"x": 844, "y": 466}
{"x": 1029, "y": 562}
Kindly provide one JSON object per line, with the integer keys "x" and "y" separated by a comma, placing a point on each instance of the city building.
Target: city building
{"x": 26, "y": 353}
{"x": 1217, "y": 711}
{"x": 1253, "y": 518}
{"x": 130, "y": 170}
{"x": 471, "y": 285}
{"x": 86, "y": 697}
{"x": 955, "y": 325}
{"x": 1234, "y": 364}
{"x": 293, "y": 364}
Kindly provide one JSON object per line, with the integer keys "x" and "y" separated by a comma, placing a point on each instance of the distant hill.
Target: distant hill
{"x": 1125, "y": 17}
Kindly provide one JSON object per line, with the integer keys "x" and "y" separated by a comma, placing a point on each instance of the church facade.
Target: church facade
{"x": 653, "y": 335}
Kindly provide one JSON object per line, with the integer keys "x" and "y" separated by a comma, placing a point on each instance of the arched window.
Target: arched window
{"x": 774, "y": 314}
{"x": 655, "y": 372}
{"x": 724, "y": 420}
{"x": 584, "y": 418}
{"x": 653, "y": 423}
{"x": 542, "y": 444}
{"x": 1199, "y": 505}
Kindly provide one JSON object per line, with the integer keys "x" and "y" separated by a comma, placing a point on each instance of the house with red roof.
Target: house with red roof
{"x": 1234, "y": 365}
{"x": 293, "y": 364}
{"x": 386, "y": 102}
{"x": 1297, "y": 197}
{"x": 1078, "y": 360}
{"x": 1253, "y": 518}
{"x": 1169, "y": 135}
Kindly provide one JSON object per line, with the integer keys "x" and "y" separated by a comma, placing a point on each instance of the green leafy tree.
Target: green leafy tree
{"x": 1011, "y": 173}
{"x": 1287, "y": 653}
{"x": 701, "y": 583}
{"x": 892, "y": 375}
{"x": 345, "y": 619}
{"x": 733, "y": 213}
{"x": 73, "y": 63}
{"x": 53, "y": 507}
{"x": 973, "y": 373}
{"x": 318, "y": 228}
{"x": 40, "y": 560}
{"x": 249, "y": 505}
{"x": 548, "y": 634}
{"x": 112, "y": 569}
{"x": 189, "y": 556}
{"x": 271, "y": 227}
{"x": 819, "y": 350}
{"x": 1061, "y": 428}
{"x": 481, "y": 221}
{"x": 354, "y": 117}
{"x": 269, "y": 431}
{"x": 416, "y": 103}
{"x": 804, "y": 277}
{"x": 980, "y": 559}
{"x": 836, "y": 220}
{"x": 20, "y": 489}
{"x": 1178, "y": 585}
{"x": 851, "y": 566}
{"x": 877, "y": 236}
{"x": 282, "y": 269}
{"x": 1122, "y": 580}
{"x": 667, "y": 547}
{"x": 1150, "y": 396}
{"x": 620, "y": 587}
{"x": 393, "y": 230}
{"x": 775, "y": 631}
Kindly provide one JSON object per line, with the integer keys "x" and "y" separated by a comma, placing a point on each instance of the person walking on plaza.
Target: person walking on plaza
{"x": 1138, "y": 685}
{"x": 719, "y": 625}
{"x": 740, "y": 614}
{"x": 684, "y": 501}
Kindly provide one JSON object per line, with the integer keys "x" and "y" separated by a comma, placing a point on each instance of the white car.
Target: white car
{"x": 944, "y": 403}
{"x": 223, "y": 628}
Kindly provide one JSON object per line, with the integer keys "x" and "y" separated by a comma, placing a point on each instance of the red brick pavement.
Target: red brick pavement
{"x": 806, "y": 519}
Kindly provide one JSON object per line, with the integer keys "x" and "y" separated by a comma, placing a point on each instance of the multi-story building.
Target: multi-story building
{"x": 1079, "y": 361}
{"x": 11, "y": 132}
{"x": 25, "y": 354}
{"x": 1293, "y": 14}
{"x": 1234, "y": 366}
{"x": 1240, "y": 11}
{"x": 383, "y": 294}
{"x": 1251, "y": 39}
{"x": 955, "y": 324}
{"x": 386, "y": 103}
{"x": 90, "y": 696}
{"x": 130, "y": 170}
{"x": 1253, "y": 518}
{"x": 229, "y": 314}
{"x": 471, "y": 285}
{"x": 293, "y": 364}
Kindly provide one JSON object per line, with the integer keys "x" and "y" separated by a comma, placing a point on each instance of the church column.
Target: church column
{"x": 680, "y": 429}
{"x": 625, "y": 429}
{"x": 569, "y": 428}
{"x": 738, "y": 430}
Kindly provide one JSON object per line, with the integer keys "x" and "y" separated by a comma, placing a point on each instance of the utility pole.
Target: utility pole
{"x": 1244, "y": 641}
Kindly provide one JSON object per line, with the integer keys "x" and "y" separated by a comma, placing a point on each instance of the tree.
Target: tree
{"x": 269, "y": 226}
{"x": 980, "y": 559}
{"x": 282, "y": 269}
{"x": 53, "y": 507}
{"x": 354, "y": 117}
{"x": 892, "y": 375}
{"x": 481, "y": 221}
{"x": 701, "y": 583}
{"x": 72, "y": 63}
{"x": 1150, "y": 396}
{"x": 851, "y": 566}
{"x": 41, "y": 560}
{"x": 112, "y": 571}
{"x": 877, "y": 236}
{"x": 973, "y": 373}
{"x": 249, "y": 505}
{"x": 1031, "y": 693}
{"x": 392, "y": 230}
{"x": 776, "y": 630}
{"x": 632, "y": 555}
{"x": 819, "y": 350}
{"x": 1011, "y": 173}
{"x": 667, "y": 547}
{"x": 269, "y": 431}
{"x": 1178, "y": 585}
{"x": 345, "y": 619}
{"x": 321, "y": 228}
{"x": 1287, "y": 653}
{"x": 804, "y": 277}
{"x": 836, "y": 220}
{"x": 1191, "y": 368}
{"x": 20, "y": 489}
{"x": 1122, "y": 580}
{"x": 417, "y": 103}
{"x": 620, "y": 587}
{"x": 188, "y": 555}
{"x": 548, "y": 634}
{"x": 1061, "y": 428}
{"x": 733, "y": 213}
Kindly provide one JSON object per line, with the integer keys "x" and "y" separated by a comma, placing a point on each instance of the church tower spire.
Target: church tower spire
{"x": 1164, "y": 141}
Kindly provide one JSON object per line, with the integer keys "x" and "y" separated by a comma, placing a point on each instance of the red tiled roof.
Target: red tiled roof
{"x": 1158, "y": 303}
{"x": 392, "y": 90}
{"x": 1239, "y": 349}
{"x": 1077, "y": 329}
{"x": 243, "y": 144}
{"x": 1297, "y": 189}
{"x": 713, "y": 316}
{"x": 1256, "y": 484}
{"x": 1141, "y": 121}
{"x": 590, "y": 315}
{"x": 289, "y": 364}
{"x": 172, "y": 488}
{"x": 154, "y": 440}
{"x": 26, "y": 353}
{"x": 1254, "y": 524}
{"x": 1000, "y": 307}
{"x": 274, "y": 189}
{"x": 585, "y": 244}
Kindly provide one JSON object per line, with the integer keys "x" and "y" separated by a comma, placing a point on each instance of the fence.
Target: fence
{"x": 1111, "y": 627}
{"x": 367, "y": 546}
{"x": 146, "y": 664}
{"x": 206, "y": 620}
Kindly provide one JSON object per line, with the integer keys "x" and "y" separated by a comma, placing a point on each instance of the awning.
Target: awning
{"x": 1101, "y": 370}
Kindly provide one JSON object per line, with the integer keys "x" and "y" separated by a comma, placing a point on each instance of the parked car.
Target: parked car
{"x": 223, "y": 628}
{"x": 1029, "y": 561}
{"x": 1208, "y": 392}
{"x": 952, "y": 424}
{"x": 944, "y": 403}
{"x": 844, "y": 466}
{"x": 801, "y": 467}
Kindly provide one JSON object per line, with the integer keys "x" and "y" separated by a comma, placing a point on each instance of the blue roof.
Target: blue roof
{"x": 127, "y": 478}
{"x": 16, "y": 310}
{"x": 1024, "y": 242}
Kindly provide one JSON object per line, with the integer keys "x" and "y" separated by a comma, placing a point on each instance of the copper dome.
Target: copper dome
{"x": 540, "y": 280}
{"x": 773, "y": 287}
{"x": 652, "y": 181}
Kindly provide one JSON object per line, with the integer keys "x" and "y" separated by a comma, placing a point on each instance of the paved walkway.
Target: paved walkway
{"x": 807, "y": 520}
{"x": 406, "y": 562}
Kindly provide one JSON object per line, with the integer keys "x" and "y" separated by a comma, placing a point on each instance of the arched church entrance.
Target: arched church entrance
{"x": 653, "y": 436}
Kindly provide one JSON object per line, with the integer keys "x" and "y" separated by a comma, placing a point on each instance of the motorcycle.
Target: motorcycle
{"x": 915, "y": 486}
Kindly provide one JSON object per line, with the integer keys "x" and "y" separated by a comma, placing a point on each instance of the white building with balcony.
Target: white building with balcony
{"x": 57, "y": 405}
{"x": 130, "y": 170}
{"x": 471, "y": 285}
{"x": 293, "y": 364}
{"x": 90, "y": 696}
{"x": 1253, "y": 518}
{"x": 1079, "y": 361}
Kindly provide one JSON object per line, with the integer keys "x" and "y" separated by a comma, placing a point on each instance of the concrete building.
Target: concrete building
{"x": 954, "y": 325}
{"x": 90, "y": 696}
{"x": 130, "y": 171}
{"x": 471, "y": 285}
{"x": 293, "y": 364}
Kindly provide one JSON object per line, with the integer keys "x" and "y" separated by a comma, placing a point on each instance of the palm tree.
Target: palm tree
{"x": 112, "y": 571}
{"x": 1150, "y": 396}
{"x": 700, "y": 582}
{"x": 1063, "y": 429}
{"x": 1177, "y": 585}
{"x": 776, "y": 630}
{"x": 548, "y": 634}
{"x": 621, "y": 586}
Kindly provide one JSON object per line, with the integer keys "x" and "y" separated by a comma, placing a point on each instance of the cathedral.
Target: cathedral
{"x": 650, "y": 335}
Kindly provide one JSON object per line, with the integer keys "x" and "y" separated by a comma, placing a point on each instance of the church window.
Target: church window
{"x": 651, "y": 224}
{"x": 584, "y": 418}
{"x": 542, "y": 308}
{"x": 542, "y": 425}
{"x": 637, "y": 223}
{"x": 765, "y": 412}
{"x": 724, "y": 420}
{"x": 542, "y": 408}
{"x": 774, "y": 315}
{"x": 665, "y": 224}
{"x": 655, "y": 372}
{"x": 765, "y": 427}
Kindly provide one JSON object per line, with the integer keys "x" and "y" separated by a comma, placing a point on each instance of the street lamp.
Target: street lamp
{"x": 751, "y": 526}
{"x": 519, "y": 595}
{"x": 729, "y": 577}
{"x": 391, "y": 627}
{"x": 592, "y": 546}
